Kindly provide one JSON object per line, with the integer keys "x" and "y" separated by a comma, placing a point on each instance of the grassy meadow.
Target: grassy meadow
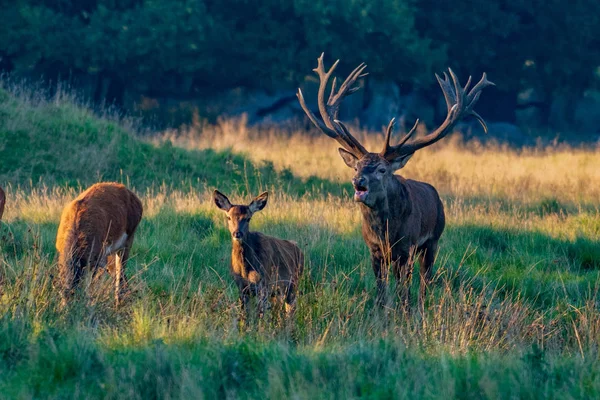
{"x": 514, "y": 310}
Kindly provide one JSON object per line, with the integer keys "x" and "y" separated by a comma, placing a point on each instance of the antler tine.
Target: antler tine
{"x": 459, "y": 105}
{"x": 355, "y": 145}
{"x": 447, "y": 90}
{"x": 388, "y": 135}
{"x": 473, "y": 95}
{"x": 390, "y": 149}
{"x": 319, "y": 124}
{"x": 458, "y": 91}
{"x": 409, "y": 134}
{"x": 329, "y": 110}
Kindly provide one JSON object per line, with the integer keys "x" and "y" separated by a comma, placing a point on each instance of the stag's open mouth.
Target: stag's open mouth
{"x": 360, "y": 193}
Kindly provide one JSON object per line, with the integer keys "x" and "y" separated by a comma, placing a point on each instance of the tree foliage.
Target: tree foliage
{"x": 165, "y": 46}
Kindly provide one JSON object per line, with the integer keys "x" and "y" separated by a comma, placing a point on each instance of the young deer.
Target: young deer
{"x": 401, "y": 217}
{"x": 261, "y": 265}
{"x": 2, "y": 202}
{"x": 98, "y": 224}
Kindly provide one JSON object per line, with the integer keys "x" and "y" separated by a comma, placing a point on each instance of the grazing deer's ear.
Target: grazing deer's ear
{"x": 221, "y": 201}
{"x": 400, "y": 162}
{"x": 259, "y": 202}
{"x": 349, "y": 158}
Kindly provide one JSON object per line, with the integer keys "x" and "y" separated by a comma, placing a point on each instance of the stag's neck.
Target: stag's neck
{"x": 382, "y": 216}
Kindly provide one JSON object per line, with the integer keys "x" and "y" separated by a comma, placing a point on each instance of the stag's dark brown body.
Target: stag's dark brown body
{"x": 408, "y": 222}
{"x": 401, "y": 218}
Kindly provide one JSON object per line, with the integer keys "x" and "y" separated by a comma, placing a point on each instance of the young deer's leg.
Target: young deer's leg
{"x": 244, "y": 300}
{"x": 263, "y": 298}
{"x": 426, "y": 261}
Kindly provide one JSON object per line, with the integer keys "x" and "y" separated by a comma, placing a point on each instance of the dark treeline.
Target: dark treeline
{"x": 188, "y": 47}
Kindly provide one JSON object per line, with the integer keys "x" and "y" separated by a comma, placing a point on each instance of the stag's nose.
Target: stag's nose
{"x": 237, "y": 235}
{"x": 359, "y": 181}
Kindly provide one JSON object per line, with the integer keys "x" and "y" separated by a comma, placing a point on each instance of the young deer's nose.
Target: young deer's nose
{"x": 237, "y": 235}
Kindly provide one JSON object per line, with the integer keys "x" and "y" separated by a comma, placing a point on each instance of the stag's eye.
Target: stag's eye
{"x": 382, "y": 170}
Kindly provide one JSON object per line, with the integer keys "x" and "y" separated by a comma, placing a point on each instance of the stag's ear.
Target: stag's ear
{"x": 259, "y": 202}
{"x": 221, "y": 201}
{"x": 349, "y": 158}
{"x": 400, "y": 162}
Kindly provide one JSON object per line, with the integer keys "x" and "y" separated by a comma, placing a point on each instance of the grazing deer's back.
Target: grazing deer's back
{"x": 103, "y": 212}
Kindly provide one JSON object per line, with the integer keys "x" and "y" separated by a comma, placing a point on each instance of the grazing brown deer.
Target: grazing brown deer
{"x": 99, "y": 223}
{"x": 402, "y": 218}
{"x": 261, "y": 265}
{"x": 2, "y": 202}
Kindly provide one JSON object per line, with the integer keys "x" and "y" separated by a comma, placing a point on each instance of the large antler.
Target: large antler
{"x": 329, "y": 111}
{"x": 460, "y": 105}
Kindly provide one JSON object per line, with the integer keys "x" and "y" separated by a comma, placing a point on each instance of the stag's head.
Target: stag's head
{"x": 238, "y": 216}
{"x": 375, "y": 171}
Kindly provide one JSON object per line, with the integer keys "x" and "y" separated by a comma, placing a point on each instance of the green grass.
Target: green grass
{"x": 513, "y": 312}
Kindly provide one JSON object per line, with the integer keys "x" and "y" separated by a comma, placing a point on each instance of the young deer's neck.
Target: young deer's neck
{"x": 244, "y": 252}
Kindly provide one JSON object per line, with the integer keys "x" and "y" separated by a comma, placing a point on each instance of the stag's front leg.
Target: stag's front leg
{"x": 403, "y": 266}
{"x": 381, "y": 273}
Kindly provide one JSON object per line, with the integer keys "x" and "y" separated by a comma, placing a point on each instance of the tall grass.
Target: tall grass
{"x": 514, "y": 310}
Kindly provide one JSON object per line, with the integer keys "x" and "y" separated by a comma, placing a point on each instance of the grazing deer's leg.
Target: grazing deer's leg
{"x": 426, "y": 261}
{"x": 121, "y": 257}
{"x": 381, "y": 271}
{"x": 70, "y": 272}
{"x": 118, "y": 273}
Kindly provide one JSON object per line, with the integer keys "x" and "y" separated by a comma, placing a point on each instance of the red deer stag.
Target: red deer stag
{"x": 261, "y": 265}
{"x": 402, "y": 218}
{"x": 2, "y": 202}
{"x": 101, "y": 222}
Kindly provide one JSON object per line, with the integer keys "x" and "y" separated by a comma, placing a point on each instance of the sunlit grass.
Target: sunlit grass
{"x": 514, "y": 310}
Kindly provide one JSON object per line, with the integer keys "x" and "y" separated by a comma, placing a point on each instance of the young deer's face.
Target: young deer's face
{"x": 372, "y": 175}
{"x": 238, "y": 216}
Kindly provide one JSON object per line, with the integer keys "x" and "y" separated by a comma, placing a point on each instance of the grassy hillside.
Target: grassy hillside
{"x": 514, "y": 310}
{"x": 57, "y": 141}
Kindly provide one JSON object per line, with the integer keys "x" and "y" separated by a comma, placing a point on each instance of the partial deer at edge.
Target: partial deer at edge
{"x": 2, "y": 202}
{"x": 402, "y": 218}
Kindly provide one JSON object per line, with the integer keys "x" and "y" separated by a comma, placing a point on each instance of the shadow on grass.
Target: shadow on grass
{"x": 543, "y": 269}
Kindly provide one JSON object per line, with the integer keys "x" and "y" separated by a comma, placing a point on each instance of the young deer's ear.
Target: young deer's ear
{"x": 221, "y": 201}
{"x": 400, "y": 162}
{"x": 259, "y": 202}
{"x": 349, "y": 158}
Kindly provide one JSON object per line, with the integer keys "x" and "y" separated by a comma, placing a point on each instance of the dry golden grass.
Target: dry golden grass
{"x": 530, "y": 175}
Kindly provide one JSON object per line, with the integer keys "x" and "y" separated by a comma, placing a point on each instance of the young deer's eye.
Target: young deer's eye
{"x": 228, "y": 218}
{"x": 382, "y": 170}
